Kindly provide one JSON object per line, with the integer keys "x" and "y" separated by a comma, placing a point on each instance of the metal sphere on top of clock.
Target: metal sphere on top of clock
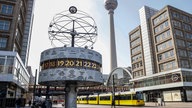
{"x": 73, "y": 28}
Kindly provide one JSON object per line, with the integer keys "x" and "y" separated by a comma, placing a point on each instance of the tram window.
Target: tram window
{"x": 125, "y": 97}
{"x": 84, "y": 98}
{"x": 92, "y": 98}
{"x": 134, "y": 97}
{"x": 139, "y": 96}
{"x": 105, "y": 98}
{"x": 116, "y": 97}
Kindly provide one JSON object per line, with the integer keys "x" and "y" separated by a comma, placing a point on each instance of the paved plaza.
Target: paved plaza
{"x": 147, "y": 105}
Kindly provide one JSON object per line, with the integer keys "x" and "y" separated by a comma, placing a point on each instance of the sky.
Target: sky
{"x": 126, "y": 18}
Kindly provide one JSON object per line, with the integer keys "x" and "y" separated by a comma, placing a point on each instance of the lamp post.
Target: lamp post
{"x": 34, "y": 86}
{"x": 47, "y": 92}
{"x": 113, "y": 91}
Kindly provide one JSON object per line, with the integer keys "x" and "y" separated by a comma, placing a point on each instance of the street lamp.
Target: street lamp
{"x": 34, "y": 86}
{"x": 113, "y": 91}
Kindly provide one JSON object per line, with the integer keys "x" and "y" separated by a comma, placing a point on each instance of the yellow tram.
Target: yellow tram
{"x": 121, "y": 98}
{"x": 105, "y": 99}
{"x": 130, "y": 98}
{"x": 93, "y": 99}
{"x": 82, "y": 100}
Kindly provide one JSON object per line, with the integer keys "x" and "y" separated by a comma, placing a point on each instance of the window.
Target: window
{"x": 135, "y": 50}
{"x": 161, "y": 27}
{"x": 190, "y": 54}
{"x": 137, "y": 65}
{"x": 104, "y": 97}
{"x": 176, "y": 23}
{"x": 186, "y": 27}
{"x": 163, "y": 36}
{"x": 189, "y": 44}
{"x": 3, "y": 42}
{"x": 135, "y": 35}
{"x": 161, "y": 67}
{"x": 188, "y": 35}
{"x": 180, "y": 43}
{"x": 19, "y": 18}
{"x": 125, "y": 97}
{"x": 164, "y": 45}
{"x": 2, "y": 63}
{"x": 183, "y": 53}
{"x": 92, "y": 98}
{"x": 11, "y": 0}
{"x": 135, "y": 42}
{"x": 166, "y": 24}
{"x": 137, "y": 57}
{"x": 160, "y": 57}
{"x": 178, "y": 33}
{"x": 6, "y": 9}
{"x": 160, "y": 18}
{"x": 4, "y": 25}
{"x": 167, "y": 66}
{"x": 184, "y": 64}
{"x": 166, "y": 55}
{"x": 175, "y": 15}
{"x": 9, "y": 64}
{"x": 185, "y": 18}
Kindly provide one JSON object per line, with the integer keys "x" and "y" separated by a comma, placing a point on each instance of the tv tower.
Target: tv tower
{"x": 111, "y": 5}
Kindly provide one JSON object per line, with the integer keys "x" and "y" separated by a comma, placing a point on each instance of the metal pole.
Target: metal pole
{"x": 34, "y": 86}
{"x": 113, "y": 92}
{"x": 73, "y": 35}
{"x": 47, "y": 92}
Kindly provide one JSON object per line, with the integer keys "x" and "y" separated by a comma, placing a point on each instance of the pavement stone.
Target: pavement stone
{"x": 147, "y": 105}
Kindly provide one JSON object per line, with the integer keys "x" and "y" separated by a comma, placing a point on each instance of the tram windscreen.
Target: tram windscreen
{"x": 139, "y": 95}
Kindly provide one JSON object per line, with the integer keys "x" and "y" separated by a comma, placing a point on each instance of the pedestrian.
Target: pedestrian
{"x": 29, "y": 102}
{"x": 48, "y": 103}
{"x": 18, "y": 103}
{"x": 163, "y": 101}
{"x": 43, "y": 104}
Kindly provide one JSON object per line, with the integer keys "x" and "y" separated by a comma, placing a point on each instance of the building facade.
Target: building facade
{"x": 161, "y": 54}
{"x": 16, "y": 18}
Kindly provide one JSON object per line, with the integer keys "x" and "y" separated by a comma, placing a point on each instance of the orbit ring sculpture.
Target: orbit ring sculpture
{"x": 72, "y": 28}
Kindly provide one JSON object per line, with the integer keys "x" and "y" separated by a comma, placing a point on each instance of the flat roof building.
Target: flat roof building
{"x": 16, "y": 18}
{"x": 161, "y": 54}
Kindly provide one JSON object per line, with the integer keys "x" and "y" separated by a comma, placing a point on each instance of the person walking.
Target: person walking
{"x": 48, "y": 103}
{"x": 29, "y": 102}
{"x": 43, "y": 105}
{"x": 18, "y": 103}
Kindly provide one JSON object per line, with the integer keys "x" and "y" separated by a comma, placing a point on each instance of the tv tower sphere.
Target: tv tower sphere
{"x": 111, "y": 4}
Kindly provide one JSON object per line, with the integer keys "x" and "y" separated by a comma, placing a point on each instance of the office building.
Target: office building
{"x": 161, "y": 54}
{"x": 16, "y": 18}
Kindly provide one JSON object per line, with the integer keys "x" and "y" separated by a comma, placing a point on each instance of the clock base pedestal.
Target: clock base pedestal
{"x": 71, "y": 96}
